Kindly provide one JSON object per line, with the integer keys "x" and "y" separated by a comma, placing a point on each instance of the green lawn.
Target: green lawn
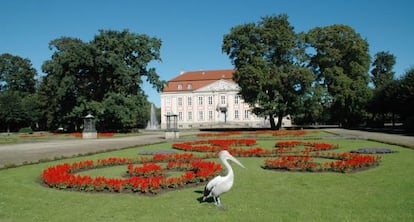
{"x": 14, "y": 138}
{"x": 385, "y": 193}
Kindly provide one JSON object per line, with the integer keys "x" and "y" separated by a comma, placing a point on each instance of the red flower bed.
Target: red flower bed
{"x": 296, "y": 163}
{"x": 149, "y": 174}
{"x": 344, "y": 162}
{"x": 34, "y": 135}
{"x": 147, "y": 170}
{"x": 106, "y": 134}
{"x": 212, "y": 145}
{"x": 147, "y": 178}
{"x": 351, "y": 161}
{"x": 232, "y": 145}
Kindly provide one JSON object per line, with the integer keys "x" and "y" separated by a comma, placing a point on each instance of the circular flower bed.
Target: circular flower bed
{"x": 290, "y": 155}
{"x": 148, "y": 178}
{"x": 150, "y": 174}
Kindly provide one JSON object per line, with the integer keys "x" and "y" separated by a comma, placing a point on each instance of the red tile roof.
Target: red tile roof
{"x": 197, "y": 79}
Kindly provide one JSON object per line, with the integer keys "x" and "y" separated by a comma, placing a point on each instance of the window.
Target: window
{"x": 223, "y": 100}
{"x": 168, "y": 101}
{"x": 180, "y": 101}
{"x": 180, "y": 86}
{"x": 200, "y": 115}
{"x": 236, "y": 114}
{"x": 210, "y": 115}
{"x": 189, "y": 86}
{"x": 236, "y": 99}
{"x": 200, "y": 100}
{"x": 180, "y": 116}
{"x": 189, "y": 101}
{"x": 190, "y": 115}
{"x": 246, "y": 114}
{"x": 210, "y": 100}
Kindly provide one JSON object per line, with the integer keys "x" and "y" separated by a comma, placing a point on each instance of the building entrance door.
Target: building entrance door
{"x": 223, "y": 116}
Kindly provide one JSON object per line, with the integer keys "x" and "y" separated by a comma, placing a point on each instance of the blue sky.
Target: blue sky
{"x": 192, "y": 31}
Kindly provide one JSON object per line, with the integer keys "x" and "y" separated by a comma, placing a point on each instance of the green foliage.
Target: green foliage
{"x": 124, "y": 111}
{"x": 16, "y": 74}
{"x": 340, "y": 63}
{"x": 18, "y": 104}
{"x": 267, "y": 60}
{"x": 405, "y": 95}
{"x": 26, "y": 130}
{"x": 18, "y": 110}
{"x": 102, "y": 77}
{"x": 382, "y": 72}
{"x": 395, "y": 97}
{"x": 313, "y": 107}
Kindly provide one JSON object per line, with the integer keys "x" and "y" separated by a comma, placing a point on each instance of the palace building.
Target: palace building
{"x": 208, "y": 99}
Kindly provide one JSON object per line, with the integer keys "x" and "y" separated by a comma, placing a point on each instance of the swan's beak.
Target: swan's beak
{"x": 236, "y": 161}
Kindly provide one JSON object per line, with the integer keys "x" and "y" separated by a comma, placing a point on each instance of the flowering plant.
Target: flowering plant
{"x": 147, "y": 178}
{"x": 303, "y": 161}
{"x": 149, "y": 174}
{"x": 296, "y": 163}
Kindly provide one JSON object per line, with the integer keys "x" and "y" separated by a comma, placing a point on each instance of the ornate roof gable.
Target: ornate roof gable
{"x": 220, "y": 86}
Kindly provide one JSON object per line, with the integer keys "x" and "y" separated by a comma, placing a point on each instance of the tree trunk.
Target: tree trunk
{"x": 272, "y": 122}
{"x": 279, "y": 121}
{"x": 393, "y": 120}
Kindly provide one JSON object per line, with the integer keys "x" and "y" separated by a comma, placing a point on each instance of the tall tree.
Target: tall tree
{"x": 82, "y": 75}
{"x": 382, "y": 78}
{"x": 405, "y": 96}
{"x": 341, "y": 61}
{"x": 382, "y": 72}
{"x": 18, "y": 108}
{"x": 266, "y": 57}
{"x": 16, "y": 74}
{"x": 62, "y": 88}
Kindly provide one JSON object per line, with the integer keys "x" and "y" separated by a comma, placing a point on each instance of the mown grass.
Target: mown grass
{"x": 14, "y": 138}
{"x": 9, "y": 138}
{"x": 384, "y": 193}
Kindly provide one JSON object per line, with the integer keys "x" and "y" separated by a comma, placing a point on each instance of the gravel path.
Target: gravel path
{"x": 32, "y": 152}
{"x": 401, "y": 140}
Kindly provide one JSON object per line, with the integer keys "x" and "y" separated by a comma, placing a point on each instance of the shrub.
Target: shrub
{"x": 409, "y": 124}
{"x": 26, "y": 130}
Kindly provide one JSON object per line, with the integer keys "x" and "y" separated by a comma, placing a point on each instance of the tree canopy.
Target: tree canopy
{"x": 340, "y": 63}
{"x": 16, "y": 74}
{"x": 382, "y": 72}
{"x": 102, "y": 77}
{"x": 18, "y": 103}
{"x": 266, "y": 56}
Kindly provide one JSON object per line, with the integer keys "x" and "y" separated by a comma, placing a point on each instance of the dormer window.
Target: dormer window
{"x": 180, "y": 86}
{"x": 189, "y": 86}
